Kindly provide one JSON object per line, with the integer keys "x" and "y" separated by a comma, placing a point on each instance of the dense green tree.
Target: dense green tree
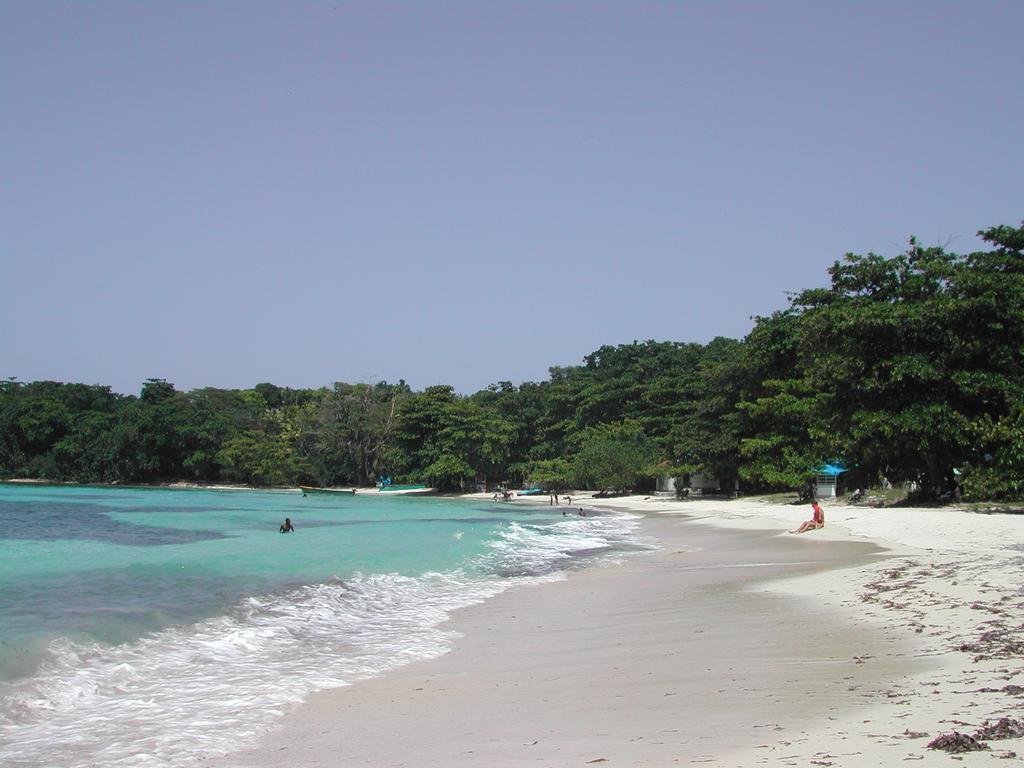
{"x": 38, "y": 417}
{"x": 911, "y": 352}
{"x": 480, "y": 438}
{"x": 205, "y": 420}
{"x": 148, "y": 432}
{"x": 885, "y": 365}
{"x": 909, "y": 367}
{"x": 12, "y": 453}
{"x": 614, "y": 456}
{"x": 447, "y": 471}
{"x": 897, "y": 367}
{"x": 440, "y": 430}
{"x": 776, "y": 407}
{"x": 998, "y": 472}
{"x": 526, "y": 410}
{"x": 421, "y": 417}
{"x": 642, "y": 382}
{"x": 350, "y": 431}
{"x": 262, "y": 459}
{"x": 550, "y": 473}
{"x": 705, "y": 424}
{"x": 91, "y": 450}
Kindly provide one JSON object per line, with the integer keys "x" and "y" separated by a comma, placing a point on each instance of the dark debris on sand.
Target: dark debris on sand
{"x": 1003, "y": 728}
{"x": 998, "y": 643}
{"x": 956, "y": 742}
{"x": 1011, "y": 690}
{"x": 997, "y": 635}
{"x": 915, "y": 594}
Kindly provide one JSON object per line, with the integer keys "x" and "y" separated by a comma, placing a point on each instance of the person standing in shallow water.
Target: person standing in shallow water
{"x": 286, "y": 526}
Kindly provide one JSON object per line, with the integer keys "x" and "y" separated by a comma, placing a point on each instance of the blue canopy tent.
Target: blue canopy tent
{"x": 825, "y": 478}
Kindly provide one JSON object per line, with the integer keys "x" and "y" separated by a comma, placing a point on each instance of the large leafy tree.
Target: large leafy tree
{"x": 207, "y": 419}
{"x": 262, "y": 459}
{"x": 59, "y": 431}
{"x": 777, "y": 406}
{"x": 988, "y": 303}
{"x": 933, "y": 348}
{"x": 147, "y": 432}
{"x": 350, "y": 430}
{"x": 614, "y": 456}
{"x": 526, "y": 410}
{"x": 644, "y": 382}
{"x": 705, "y": 425}
{"x": 421, "y": 418}
{"x": 443, "y": 437}
{"x": 550, "y": 473}
{"x": 899, "y": 367}
{"x": 883, "y": 358}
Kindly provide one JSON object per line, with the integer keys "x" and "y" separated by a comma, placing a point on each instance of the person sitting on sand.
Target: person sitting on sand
{"x": 286, "y": 526}
{"x": 817, "y": 521}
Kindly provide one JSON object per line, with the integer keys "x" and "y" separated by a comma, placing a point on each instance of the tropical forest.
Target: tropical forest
{"x": 906, "y": 369}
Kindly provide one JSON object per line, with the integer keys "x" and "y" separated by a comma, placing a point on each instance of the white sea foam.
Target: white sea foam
{"x": 183, "y": 694}
{"x": 523, "y": 548}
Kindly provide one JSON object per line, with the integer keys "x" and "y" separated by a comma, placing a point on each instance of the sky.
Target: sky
{"x": 226, "y": 193}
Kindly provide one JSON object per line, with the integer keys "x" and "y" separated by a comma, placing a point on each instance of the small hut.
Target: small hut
{"x": 826, "y": 478}
{"x": 665, "y": 484}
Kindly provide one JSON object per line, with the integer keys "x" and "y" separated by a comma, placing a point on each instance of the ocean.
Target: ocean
{"x": 158, "y": 627}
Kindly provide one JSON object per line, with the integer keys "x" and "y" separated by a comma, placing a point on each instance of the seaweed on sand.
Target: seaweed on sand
{"x": 956, "y": 742}
{"x": 1003, "y": 728}
{"x": 998, "y": 643}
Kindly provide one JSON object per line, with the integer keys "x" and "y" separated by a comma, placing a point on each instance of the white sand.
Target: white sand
{"x": 735, "y": 644}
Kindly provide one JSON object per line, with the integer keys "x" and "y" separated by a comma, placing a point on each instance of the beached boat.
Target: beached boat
{"x": 310, "y": 489}
{"x": 400, "y": 490}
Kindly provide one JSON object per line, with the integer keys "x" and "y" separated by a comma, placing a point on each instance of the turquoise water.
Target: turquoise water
{"x": 186, "y": 617}
{"x": 110, "y": 564}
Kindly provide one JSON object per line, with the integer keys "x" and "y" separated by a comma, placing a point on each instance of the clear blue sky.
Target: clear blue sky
{"x": 226, "y": 193}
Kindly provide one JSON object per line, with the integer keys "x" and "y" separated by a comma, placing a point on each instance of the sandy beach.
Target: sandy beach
{"x": 732, "y": 643}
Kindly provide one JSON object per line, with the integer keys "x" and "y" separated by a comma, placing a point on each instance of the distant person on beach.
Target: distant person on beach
{"x": 286, "y": 526}
{"x": 817, "y": 521}
{"x": 568, "y": 500}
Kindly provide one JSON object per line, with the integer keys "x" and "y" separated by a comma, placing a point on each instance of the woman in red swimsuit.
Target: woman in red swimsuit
{"x": 817, "y": 521}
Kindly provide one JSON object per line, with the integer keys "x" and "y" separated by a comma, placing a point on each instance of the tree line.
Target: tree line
{"x": 907, "y": 368}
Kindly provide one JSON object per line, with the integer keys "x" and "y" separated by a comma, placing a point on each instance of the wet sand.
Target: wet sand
{"x": 678, "y": 656}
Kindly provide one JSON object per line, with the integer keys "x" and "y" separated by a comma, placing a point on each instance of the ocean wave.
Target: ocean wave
{"x": 534, "y": 549}
{"x": 183, "y": 694}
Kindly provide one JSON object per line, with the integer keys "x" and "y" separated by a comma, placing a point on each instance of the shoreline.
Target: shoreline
{"x": 746, "y": 647}
{"x": 187, "y": 485}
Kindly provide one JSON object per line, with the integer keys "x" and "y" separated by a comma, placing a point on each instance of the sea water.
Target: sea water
{"x": 158, "y": 627}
